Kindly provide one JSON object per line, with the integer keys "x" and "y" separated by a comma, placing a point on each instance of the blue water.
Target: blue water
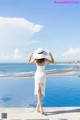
{"x": 61, "y": 90}
{"x": 24, "y": 67}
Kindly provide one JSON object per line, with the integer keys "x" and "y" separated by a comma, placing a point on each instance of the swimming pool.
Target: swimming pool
{"x": 61, "y": 90}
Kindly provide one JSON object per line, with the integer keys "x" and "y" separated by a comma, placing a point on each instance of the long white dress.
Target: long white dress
{"x": 40, "y": 80}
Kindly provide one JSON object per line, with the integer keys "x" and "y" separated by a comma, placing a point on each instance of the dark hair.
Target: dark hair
{"x": 40, "y": 60}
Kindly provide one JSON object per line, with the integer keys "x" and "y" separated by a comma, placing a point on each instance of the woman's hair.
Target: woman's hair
{"x": 40, "y": 60}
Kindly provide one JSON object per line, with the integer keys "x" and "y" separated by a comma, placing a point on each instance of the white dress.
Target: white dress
{"x": 40, "y": 80}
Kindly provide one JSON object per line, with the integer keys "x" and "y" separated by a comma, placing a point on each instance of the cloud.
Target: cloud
{"x": 16, "y": 55}
{"x": 16, "y": 32}
{"x": 72, "y": 54}
{"x": 15, "y": 35}
{"x": 35, "y": 41}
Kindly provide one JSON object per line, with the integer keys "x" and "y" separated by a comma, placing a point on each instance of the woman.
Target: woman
{"x": 40, "y": 74}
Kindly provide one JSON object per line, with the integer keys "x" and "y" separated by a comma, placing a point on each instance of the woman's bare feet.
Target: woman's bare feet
{"x": 38, "y": 108}
{"x": 41, "y": 110}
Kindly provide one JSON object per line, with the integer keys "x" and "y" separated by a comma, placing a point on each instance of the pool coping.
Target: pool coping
{"x": 50, "y": 113}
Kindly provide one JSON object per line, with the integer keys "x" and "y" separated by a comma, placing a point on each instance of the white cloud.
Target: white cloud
{"x": 15, "y": 55}
{"x": 35, "y": 41}
{"x": 4, "y": 55}
{"x": 16, "y": 32}
{"x": 72, "y": 54}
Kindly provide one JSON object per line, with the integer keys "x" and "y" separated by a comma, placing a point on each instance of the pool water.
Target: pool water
{"x": 60, "y": 91}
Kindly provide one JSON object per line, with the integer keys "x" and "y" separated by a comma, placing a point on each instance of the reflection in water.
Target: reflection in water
{"x": 6, "y": 99}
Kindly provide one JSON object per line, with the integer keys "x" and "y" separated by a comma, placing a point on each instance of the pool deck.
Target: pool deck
{"x": 53, "y": 113}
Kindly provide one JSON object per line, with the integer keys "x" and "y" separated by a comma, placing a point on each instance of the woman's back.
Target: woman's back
{"x": 40, "y": 68}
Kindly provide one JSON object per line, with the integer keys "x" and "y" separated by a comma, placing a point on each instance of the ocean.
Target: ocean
{"x": 17, "y": 85}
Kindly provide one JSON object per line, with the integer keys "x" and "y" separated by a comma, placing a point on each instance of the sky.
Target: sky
{"x": 26, "y": 25}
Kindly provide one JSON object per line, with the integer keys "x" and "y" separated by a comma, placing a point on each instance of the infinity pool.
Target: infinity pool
{"x": 60, "y": 91}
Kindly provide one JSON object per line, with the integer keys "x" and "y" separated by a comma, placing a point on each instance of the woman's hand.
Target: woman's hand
{"x": 52, "y": 59}
{"x": 30, "y": 58}
{"x": 50, "y": 54}
{"x": 32, "y": 54}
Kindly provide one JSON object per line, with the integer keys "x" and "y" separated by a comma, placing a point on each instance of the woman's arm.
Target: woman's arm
{"x": 52, "y": 59}
{"x": 30, "y": 58}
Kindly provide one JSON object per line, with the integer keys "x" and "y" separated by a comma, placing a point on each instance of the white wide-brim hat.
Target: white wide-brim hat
{"x": 40, "y": 53}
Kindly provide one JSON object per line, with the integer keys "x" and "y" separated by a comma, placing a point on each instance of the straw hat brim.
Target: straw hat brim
{"x": 40, "y": 56}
